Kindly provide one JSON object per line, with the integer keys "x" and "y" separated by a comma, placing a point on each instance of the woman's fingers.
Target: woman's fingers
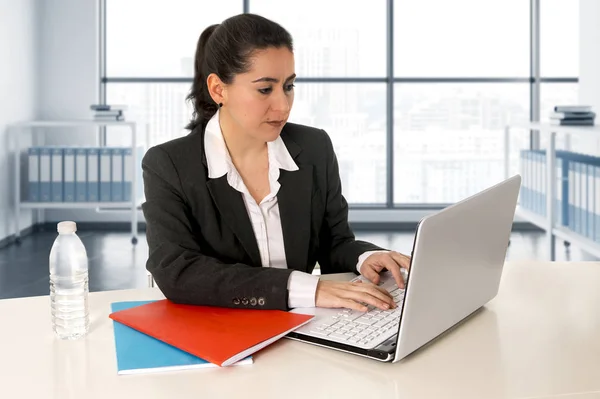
{"x": 371, "y": 295}
{"x": 402, "y": 260}
{"x": 350, "y": 304}
{"x": 394, "y": 268}
{"x": 371, "y": 275}
{"x": 335, "y": 294}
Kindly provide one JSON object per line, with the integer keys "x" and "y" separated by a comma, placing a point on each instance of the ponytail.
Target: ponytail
{"x": 203, "y": 105}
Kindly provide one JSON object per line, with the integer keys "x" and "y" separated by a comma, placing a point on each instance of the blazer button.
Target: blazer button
{"x": 236, "y": 301}
{"x": 253, "y": 301}
{"x": 261, "y": 301}
{"x": 244, "y": 301}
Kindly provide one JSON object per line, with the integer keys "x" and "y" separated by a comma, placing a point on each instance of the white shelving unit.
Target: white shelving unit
{"x": 15, "y": 132}
{"x": 548, "y": 223}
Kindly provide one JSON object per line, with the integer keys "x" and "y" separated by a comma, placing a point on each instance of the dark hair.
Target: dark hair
{"x": 225, "y": 50}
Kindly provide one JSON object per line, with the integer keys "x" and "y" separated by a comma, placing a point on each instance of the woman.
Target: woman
{"x": 239, "y": 210}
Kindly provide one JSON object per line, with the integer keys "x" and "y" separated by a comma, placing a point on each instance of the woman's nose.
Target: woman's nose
{"x": 281, "y": 102}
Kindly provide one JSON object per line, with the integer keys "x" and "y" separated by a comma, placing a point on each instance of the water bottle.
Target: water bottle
{"x": 69, "y": 284}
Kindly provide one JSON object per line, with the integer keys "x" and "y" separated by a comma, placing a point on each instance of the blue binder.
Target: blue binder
{"x": 140, "y": 353}
{"x": 69, "y": 174}
{"x": 56, "y": 175}
{"x": 117, "y": 173}
{"x": 45, "y": 170}
{"x": 105, "y": 174}
{"x": 93, "y": 162}
{"x": 34, "y": 174}
{"x": 80, "y": 175}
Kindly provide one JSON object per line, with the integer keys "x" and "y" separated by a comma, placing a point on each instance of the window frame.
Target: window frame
{"x": 534, "y": 80}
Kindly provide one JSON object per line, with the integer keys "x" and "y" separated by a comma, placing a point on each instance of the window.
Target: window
{"x": 448, "y": 137}
{"x": 161, "y": 106}
{"x": 559, "y": 66}
{"x": 461, "y": 73}
{"x": 461, "y": 38}
{"x": 158, "y": 38}
{"x": 449, "y": 140}
{"x": 354, "y": 117}
{"x": 332, "y": 38}
{"x": 559, "y": 38}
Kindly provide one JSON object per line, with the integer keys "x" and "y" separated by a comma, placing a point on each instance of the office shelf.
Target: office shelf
{"x": 15, "y": 130}
{"x": 548, "y": 222}
{"x": 584, "y": 243}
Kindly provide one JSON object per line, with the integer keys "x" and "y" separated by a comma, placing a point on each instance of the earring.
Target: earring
{"x": 220, "y": 105}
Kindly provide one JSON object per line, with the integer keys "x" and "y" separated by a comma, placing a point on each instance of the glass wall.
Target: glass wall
{"x": 438, "y": 91}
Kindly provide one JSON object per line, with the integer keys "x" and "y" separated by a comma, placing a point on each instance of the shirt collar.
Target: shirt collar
{"x": 219, "y": 161}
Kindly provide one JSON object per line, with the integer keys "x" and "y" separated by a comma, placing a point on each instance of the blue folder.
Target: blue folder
{"x": 140, "y": 353}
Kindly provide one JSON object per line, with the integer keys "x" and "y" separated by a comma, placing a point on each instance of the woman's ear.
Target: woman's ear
{"x": 216, "y": 88}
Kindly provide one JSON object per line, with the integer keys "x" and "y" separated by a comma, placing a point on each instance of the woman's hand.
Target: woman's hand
{"x": 352, "y": 295}
{"x": 392, "y": 261}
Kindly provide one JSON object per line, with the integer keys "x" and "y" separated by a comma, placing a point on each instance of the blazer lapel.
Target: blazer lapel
{"x": 294, "y": 199}
{"x": 233, "y": 211}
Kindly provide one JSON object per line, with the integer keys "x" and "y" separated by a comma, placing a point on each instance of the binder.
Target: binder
{"x": 80, "y": 175}
{"x": 34, "y": 174}
{"x": 117, "y": 173}
{"x": 219, "y": 335}
{"x": 93, "y": 161}
{"x": 69, "y": 174}
{"x": 571, "y": 216}
{"x": 105, "y": 174}
{"x": 589, "y": 198}
{"x": 564, "y": 176}
{"x": 129, "y": 171}
{"x": 578, "y": 198}
{"x": 56, "y": 175}
{"x": 127, "y": 174}
{"x": 140, "y": 353}
{"x": 45, "y": 164}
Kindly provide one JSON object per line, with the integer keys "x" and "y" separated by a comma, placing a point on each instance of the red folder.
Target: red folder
{"x": 218, "y": 335}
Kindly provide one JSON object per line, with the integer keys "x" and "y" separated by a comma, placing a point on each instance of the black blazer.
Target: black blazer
{"x": 202, "y": 249}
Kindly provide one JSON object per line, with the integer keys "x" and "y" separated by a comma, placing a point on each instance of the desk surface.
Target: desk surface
{"x": 540, "y": 337}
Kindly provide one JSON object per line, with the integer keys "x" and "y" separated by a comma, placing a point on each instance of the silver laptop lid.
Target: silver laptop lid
{"x": 457, "y": 263}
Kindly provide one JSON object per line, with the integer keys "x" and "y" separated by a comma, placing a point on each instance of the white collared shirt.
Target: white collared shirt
{"x": 265, "y": 217}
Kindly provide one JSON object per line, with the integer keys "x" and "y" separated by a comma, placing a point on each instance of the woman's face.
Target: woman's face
{"x": 259, "y": 101}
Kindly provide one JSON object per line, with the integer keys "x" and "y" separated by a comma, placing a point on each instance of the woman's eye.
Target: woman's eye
{"x": 289, "y": 87}
{"x": 265, "y": 91}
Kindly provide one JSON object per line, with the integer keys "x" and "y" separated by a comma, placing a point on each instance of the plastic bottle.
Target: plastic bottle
{"x": 69, "y": 284}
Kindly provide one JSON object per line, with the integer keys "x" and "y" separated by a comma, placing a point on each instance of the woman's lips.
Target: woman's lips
{"x": 276, "y": 123}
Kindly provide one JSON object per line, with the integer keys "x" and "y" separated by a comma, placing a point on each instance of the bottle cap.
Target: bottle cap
{"x": 67, "y": 227}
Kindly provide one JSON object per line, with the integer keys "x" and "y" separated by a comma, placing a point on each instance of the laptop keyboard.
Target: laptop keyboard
{"x": 362, "y": 329}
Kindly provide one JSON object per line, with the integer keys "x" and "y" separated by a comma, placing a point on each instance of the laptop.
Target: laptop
{"x": 456, "y": 265}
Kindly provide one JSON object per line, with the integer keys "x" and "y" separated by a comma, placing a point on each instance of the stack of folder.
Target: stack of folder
{"x": 107, "y": 112}
{"x": 160, "y": 335}
{"x": 572, "y": 115}
{"x": 82, "y": 174}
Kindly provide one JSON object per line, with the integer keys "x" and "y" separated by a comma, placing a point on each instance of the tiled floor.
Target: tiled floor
{"x": 115, "y": 264}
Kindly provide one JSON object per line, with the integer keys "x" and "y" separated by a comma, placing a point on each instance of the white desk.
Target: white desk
{"x": 540, "y": 337}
